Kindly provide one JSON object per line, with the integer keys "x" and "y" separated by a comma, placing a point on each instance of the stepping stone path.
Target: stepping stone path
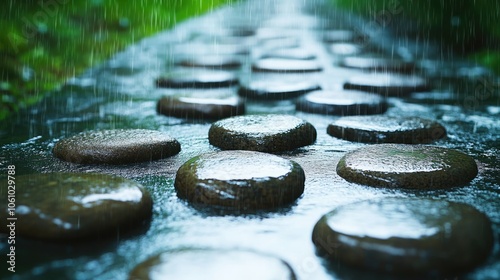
{"x": 74, "y": 206}
{"x": 282, "y": 65}
{"x": 116, "y": 146}
{"x": 407, "y": 236}
{"x": 407, "y": 166}
{"x": 342, "y": 103}
{"x": 385, "y": 129}
{"x": 241, "y": 180}
{"x": 263, "y": 133}
{"x": 213, "y": 265}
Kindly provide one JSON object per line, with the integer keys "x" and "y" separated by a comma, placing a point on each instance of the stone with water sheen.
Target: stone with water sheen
{"x": 407, "y": 166}
{"x": 240, "y": 180}
{"x": 116, "y": 146}
{"x": 388, "y": 84}
{"x": 405, "y": 236}
{"x": 276, "y": 89}
{"x": 212, "y": 265}
{"x": 282, "y": 65}
{"x": 263, "y": 133}
{"x": 196, "y": 106}
{"x": 386, "y": 129}
{"x": 342, "y": 103}
{"x": 197, "y": 79}
{"x": 378, "y": 64}
{"x": 74, "y": 206}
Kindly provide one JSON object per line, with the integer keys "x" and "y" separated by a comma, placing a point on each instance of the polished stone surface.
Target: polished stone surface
{"x": 67, "y": 207}
{"x": 407, "y": 166}
{"x": 406, "y": 236}
{"x": 240, "y": 180}
{"x": 386, "y": 129}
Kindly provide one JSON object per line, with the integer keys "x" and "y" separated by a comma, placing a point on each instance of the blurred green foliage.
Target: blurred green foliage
{"x": 44, "y": 42}
{"x": 470, "y": 28}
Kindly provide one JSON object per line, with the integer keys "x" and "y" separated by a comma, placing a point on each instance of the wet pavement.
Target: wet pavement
{"x": 123, "y": 94}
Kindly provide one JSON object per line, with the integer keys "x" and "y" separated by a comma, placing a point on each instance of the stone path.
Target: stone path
{"x": 281, "y": 53}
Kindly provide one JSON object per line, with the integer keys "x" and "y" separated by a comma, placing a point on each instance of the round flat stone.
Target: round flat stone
{"x": 212, "y": 265}
{"x": 384, "y": 129}
{"x": 406, "y": 236}
{"x": 116, "y": 146}
{"x": 387, "y": 84}
{"x": 335, "y": 36}
{"x": 341, "y": 103}
{"x": 263, "y": 133}
{"x": 70, "y": 206}
{"x": 211, "y": 61}
{"x": 291, "y": 53}
{"x": 407, "y": 166}
{"x": 286, "y": 65}
{"x": 197, "y": 79}
{"x": 197, "y": 107}
{"x": 277, "y": 89}
{"x": 344, "y": 49}
{"x": 240, "y": 180}
{"x": 380, "y": 64}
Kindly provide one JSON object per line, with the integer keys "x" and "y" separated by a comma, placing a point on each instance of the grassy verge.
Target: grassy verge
{"x": 470, "y": 28}
{"x": 42, "y": 43}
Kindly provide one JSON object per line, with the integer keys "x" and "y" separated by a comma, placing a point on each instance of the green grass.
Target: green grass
{"x": 42, "y": 43}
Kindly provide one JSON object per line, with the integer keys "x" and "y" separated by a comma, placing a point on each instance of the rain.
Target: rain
{"x": 179, "y": 67}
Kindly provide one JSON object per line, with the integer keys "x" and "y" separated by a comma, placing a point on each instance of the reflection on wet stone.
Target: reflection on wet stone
{"x": 263, "y": 133}
{"x": 281, "y": 65}
{"x": 195, "y": 106}
{"x": 387, "y": 84}
{"x": 384, "y": 129}
{"x": 212, "y": 265}
{"x": 276, "y": 89}
{"x": 73, "y": 206}
{"x": 378, "y": 64}
{"x": 407, "y": 166}
{"x": 342, "y": 103}
{"x": 197, "y": 79}
{"x": 405, "y": 236}
{"x": 240, "y": 180}
{"x": 116, "y": 146}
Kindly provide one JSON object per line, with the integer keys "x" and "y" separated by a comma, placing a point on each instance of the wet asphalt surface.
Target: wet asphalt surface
{"x": 122, "y": 93}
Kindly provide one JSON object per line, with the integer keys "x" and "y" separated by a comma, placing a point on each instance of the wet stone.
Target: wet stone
{"x": 211, "y": 61}
{"x": 240, "y": 180}
{"x": 71, "y": 206}
{"x": 197, "y": 79}
{"x": 290, "y": 53}
{"x": 385, "y": 129}
{"x": 277, "y": 89}
{"x": 195, "y": 106}
{"x": 344, "y": 49}
{"x": 380, "y": 64}
{"x": 212, "y": 265}
{"x": 263, "y": 133}
{"x": 407, "y": 166}
{"x": 341, "y": 103}
{"x": 116, "y": 146}
{"x": 281, "y": 65}
{"x": 406, "y": 236}
{"x": 387, "y": 84}
{"x": 342, "y": 36}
